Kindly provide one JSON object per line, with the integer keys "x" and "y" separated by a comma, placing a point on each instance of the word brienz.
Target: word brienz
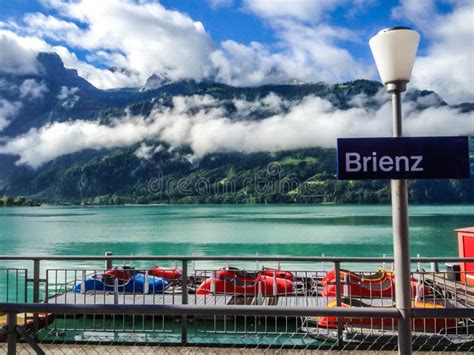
{"x": 355, "y": 162}
{"x": 403, "y": 158}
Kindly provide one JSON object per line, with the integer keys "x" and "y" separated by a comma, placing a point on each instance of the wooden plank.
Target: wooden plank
{"x": 106, "y": 298}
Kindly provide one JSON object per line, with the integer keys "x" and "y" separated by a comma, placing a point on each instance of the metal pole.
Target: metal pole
{"x": 340, "y": 326}
{"x": 11, "y": 337}
{"x": 36, "y": 292}
{"x": 184, "y": 301}
{"x": 401, "y": 246}
{"x": 108, "y": 262}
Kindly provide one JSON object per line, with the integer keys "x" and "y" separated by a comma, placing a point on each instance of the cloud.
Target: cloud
{"x": 311, "y": 11}
{"x": 16, "y": 57}
{"x": 306, "y": 53}
{"x": 19, "y": 57}
{"x": 68, "y": 97}
{"x": 147, "y": 151}
{"x": 446, "y": 67}
{"x": 219, "y": 4}
{"x": 8, "y": 110}
{"x": 32, "y": 90}
{"x": 142, "y": 36}
{"x": 203, "y": 123}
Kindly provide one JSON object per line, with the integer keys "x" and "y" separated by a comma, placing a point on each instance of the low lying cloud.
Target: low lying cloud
{"x": 68, "y": 96}
{"x": 8, "y": 110}
{"x": 32, "y": 90}
{"x": 146, "y": 151}
{"x": 203, "y": 123}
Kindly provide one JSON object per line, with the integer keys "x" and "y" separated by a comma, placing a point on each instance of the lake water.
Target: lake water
{"x": 295, "y": 230}
{"x": 284, "y": 230}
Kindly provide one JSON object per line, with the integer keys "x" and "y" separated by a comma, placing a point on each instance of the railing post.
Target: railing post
{"x": 36, "y": 292}
{"x": 36, "y": 280}
{"x": 337, "y": 268}
{"x": 116, "y": 290}
{"x": 11, "y": 338}
{"x": 146, "y": 284}
{"x": 184, "y": 300}
{"x": 108, "y": 262}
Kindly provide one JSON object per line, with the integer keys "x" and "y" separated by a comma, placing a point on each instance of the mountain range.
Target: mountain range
{"x": 155, "y": 170}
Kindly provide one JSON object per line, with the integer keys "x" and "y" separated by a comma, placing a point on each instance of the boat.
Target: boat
{"x": 167, "y": 273}
{"x": 252, "y": 276}
{"x": 123, "y": 272}
{"x": 135, "y": 284}
{"x": 232, "y": 280}
{"x": 278, "y": 273}
{"x": 419, "y": 324}
{"x": 25, "y": 320}
{"x": 378, "y": 285}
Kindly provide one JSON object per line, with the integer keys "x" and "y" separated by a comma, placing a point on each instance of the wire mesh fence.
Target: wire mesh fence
{"x": 293, "y": 293}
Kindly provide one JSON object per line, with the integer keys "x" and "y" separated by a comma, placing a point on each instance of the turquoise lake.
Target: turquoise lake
{"x": 273, "y": 230}
{"x": 296, "y": 230}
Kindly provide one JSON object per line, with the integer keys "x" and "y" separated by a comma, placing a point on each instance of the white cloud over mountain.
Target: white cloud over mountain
{"x": 202, "y": 123}
{"x": 139, "y": 38}
{"x": 18, "y": 54}
{"x": 8, "y": 109}
{"x": 143, "y": 37}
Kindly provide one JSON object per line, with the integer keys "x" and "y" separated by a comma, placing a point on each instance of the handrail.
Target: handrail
{"x": 174, "y": 310}
{"x": 228, "y": 258}
{"x": 240, "y": 310}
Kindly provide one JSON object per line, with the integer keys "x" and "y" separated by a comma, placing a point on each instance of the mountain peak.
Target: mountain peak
{"x": 51, "y": 67}
{"x": 156, "y": 81}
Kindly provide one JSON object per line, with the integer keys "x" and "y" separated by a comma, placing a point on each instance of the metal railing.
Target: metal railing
{"x": 179, "y": 314}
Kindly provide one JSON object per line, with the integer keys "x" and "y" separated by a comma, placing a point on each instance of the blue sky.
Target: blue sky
{"x": 240, "y": 42}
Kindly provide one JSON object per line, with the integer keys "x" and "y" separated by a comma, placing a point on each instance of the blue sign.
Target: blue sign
{"x": 403, "y": 158}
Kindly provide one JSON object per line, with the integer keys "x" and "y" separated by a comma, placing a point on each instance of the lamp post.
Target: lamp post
{"x": 394, "y": 51}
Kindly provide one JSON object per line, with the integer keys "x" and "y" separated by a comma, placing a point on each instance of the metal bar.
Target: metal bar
{"x": 30, "y": 341}
{"x": 191, "y": 309}
{"x": 184, "y": 301}
{"x": 442, "y": 313}
{"x": 11, "y": 337}
{"x": 108, "y": 261}
{"x": 235, "y": 258}
{"x": 401, "y": 243}
{"x": 337, "y": 267}
{"x": 36, "y": 292}
{"x": 36, "y": 280}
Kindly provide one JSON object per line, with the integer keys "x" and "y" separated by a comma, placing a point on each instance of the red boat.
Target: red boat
{"x": 249, "y": 276}
{"x": 240, "y": 282}
{"x": 379, "y": 284}
{"x": 278, "y": 273}
{"x": 419, "y": 324}
{"x": 167, "y": 273}
{"x": 123, "y": 272}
